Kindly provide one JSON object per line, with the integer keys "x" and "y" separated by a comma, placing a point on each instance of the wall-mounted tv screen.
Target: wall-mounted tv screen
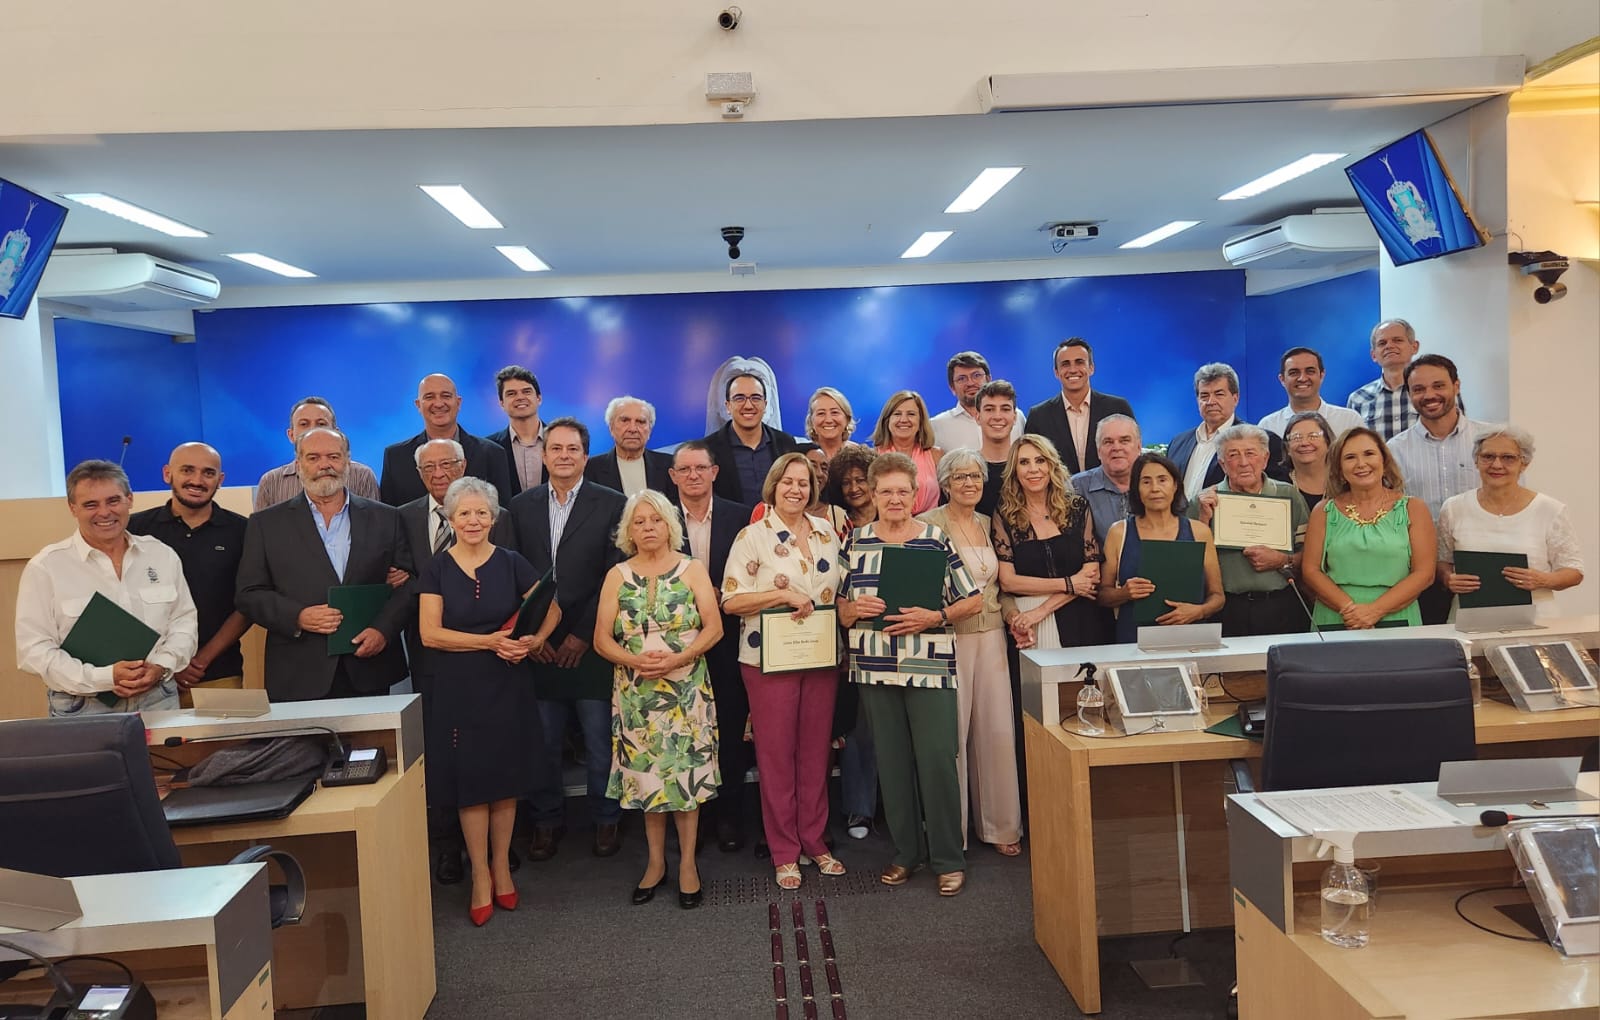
{"x": 29, "y": 225}
{"x": 1412, "y": 202}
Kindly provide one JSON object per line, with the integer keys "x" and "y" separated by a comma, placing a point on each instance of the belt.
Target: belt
{"x": 1259, "y": 596}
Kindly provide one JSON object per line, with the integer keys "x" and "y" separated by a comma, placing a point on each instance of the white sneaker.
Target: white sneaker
{"x": 857, "y": 827}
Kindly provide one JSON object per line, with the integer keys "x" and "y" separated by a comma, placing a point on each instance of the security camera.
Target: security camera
{"x": 1546, "y": 267}
{"x": 728, "y": 20}
{"x": 733, "y": 235}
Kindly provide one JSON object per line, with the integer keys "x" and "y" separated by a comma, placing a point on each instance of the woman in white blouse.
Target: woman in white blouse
{"x": 987, "y": 739}
{"x": 1503, "y": 515}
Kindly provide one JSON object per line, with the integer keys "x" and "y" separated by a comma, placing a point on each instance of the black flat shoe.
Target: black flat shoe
{"x": 644, "y": 894}
{"x": 690, "y": 900}
{"x": 447, "y": 868}
{"x": 729, "y": 839}
{"x": 763, "y": 852}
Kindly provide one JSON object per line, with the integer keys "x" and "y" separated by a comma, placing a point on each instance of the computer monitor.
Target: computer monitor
{"x": 77, "y": 797}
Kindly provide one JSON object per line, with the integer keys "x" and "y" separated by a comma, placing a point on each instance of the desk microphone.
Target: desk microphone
{"x": 1495, "y": 819}
{"x": 297, "y": 732}
{"x": 127, "y": 441}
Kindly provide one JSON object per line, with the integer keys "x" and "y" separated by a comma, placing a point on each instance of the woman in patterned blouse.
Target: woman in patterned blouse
{"x": 904, "y": 659}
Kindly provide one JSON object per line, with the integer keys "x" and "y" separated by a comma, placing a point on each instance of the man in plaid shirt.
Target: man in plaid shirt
{"x": 1383, "y": 403}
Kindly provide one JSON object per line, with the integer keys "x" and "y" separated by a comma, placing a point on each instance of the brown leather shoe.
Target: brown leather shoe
{"x": 607, "y": 839}
{"x": 894, "y": 874}
{"x": 952, "y": 882}
{"x": 543, "y": 845}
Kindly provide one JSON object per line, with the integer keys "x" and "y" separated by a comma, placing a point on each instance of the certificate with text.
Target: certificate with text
{"x": 1243, "y": 520}
{"x": 788, "y": 645}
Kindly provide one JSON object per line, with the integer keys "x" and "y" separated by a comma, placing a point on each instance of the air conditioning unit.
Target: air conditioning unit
{"x": 132, "y": 282}
{"x": 1304, "y": 242}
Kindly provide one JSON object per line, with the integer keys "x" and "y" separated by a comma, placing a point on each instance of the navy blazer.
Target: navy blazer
{"x": 588, "y": 549}
{"x": 727, "y": 484}
{"x": 603, "y": 470}
{"x": 418, "y": 530}
{"x": 1048, "y": 418}
{"x": 1183, "y": 446}
{"x": 400, "y": 482}
{"x": 285, "y": 568}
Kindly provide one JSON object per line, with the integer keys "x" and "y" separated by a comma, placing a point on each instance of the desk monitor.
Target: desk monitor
{"x": 1153, "y": 690}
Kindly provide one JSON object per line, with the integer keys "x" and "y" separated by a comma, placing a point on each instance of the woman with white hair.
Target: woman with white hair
{"x": 657, "y": 616}
{"x": 1503, "y": 515}
{"x": 485, "y": 723}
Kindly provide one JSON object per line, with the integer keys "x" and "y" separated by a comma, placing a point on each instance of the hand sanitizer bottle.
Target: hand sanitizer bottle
{"x": 1345, "y": 897}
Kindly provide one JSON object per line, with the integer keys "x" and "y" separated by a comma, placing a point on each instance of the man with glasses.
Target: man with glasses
{"x": 966, "y": 373}
{"x": 744, "y": 449}
{"x": 710, "y": 524}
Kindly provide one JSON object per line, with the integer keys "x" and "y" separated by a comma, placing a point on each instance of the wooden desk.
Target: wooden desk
{"x": 200, "y": 938}
{"x": 1129, "y": 836}
{"x": 367, "y": 935}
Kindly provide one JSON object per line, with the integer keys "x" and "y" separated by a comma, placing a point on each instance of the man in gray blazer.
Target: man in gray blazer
{"x": 298, "y": 549}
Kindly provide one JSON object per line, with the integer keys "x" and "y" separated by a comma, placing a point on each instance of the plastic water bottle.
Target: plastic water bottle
{"x": 1345, "y": 899}
{"x": 1091, "y": 710}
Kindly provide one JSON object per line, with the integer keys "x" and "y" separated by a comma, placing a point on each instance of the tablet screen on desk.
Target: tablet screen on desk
{"x": 1572, "y": 856}
{"x": 1154, "y": 690}
{"x": 1542, "y": 668}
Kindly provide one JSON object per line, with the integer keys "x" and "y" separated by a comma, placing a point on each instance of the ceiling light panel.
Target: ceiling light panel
{"x": 271, "y": 265}
{"x": 924, "y": 245}
{"x": 1282, "y": 175}
{"x": 522, "y": 258}
{"x": 135, "y": 214}
{"x": 983, "y": 188}
{"x": 1160, "y": 234}
{"x": 458, "y": 202}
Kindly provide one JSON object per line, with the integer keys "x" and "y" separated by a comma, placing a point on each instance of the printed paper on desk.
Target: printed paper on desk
{"x": 1356, "y": 809}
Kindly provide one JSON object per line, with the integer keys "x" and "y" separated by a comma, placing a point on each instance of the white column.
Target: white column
{"x": 30, "y": 458}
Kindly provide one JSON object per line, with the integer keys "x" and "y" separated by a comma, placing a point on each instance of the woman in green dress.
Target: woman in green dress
{"x": 1370, "y": 550}
{"x": 657, "y": 617}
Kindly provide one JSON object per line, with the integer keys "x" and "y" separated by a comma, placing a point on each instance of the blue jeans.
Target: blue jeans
{"x": 858, "y": 771}
{"x": 163, "y": 697}
{"x": 549, "y": 799}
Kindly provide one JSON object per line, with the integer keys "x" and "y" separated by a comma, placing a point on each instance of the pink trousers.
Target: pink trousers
{"x": 791, "y": 718}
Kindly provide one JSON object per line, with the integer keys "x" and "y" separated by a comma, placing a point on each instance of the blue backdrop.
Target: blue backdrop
{"x": 235, "y": 385}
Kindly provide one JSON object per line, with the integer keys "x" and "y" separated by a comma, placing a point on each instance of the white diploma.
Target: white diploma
{"x": 1244, "y": 520}
{"x": 788, "y": 644}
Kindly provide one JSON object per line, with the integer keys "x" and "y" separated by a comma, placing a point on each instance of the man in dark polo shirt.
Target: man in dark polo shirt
{"x": 208, "y": 540}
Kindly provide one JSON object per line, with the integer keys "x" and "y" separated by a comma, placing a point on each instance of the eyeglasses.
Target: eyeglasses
{"x": 740, "y": 399}
{"x": 966, "y": 476}
{"x": 433, "y": 468}
{"x": 692, "y": 469}
{"x": 1304, "y": 437}
{"x": 1499, "y": 458}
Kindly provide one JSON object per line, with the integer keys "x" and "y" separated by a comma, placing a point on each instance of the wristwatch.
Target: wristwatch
{"x": 166, "y": 674}
{"x": 944, "y": 617}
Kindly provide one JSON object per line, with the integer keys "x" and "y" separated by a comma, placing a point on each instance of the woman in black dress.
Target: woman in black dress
{"x": 1049, "y": 557}
{"x": 487, "y": 734}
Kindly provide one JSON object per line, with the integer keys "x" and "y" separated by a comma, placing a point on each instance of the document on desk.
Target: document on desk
{"x": 1356, "y": 809}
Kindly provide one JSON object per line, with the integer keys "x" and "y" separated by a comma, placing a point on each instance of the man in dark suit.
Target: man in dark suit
{"x": 1194, "y": 451}
{"x": 295, "y": 551}
{"x": 439, "y": 404}
{"x": 523, "y": 437}
{"x": 573, "y": 524}
{"x": 745, "y": 449}
{"x": 630, "y": 466}
{"x": 710, "y": 524}
{"x": 1068, "y": 419}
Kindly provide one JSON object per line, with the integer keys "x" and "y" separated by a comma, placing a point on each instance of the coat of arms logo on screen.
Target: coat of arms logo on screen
{"x": 1411, "y": 212}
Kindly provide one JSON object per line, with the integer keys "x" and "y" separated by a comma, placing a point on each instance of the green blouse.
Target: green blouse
{"x": 1366, "y": 560}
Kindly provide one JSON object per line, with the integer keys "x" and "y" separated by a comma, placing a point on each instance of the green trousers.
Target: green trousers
{"x": 914, "y": 729}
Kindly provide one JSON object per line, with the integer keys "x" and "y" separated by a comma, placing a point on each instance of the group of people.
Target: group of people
{"x": 665, "y": 565}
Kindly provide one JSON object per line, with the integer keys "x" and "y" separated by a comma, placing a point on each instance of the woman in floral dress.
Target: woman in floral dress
{"x": 657, "y": 617}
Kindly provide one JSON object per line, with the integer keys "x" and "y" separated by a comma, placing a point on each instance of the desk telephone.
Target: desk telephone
{"x": 363, "y": 765}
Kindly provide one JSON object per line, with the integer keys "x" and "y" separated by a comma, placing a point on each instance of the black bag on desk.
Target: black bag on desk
{"x": 254, "y": 780}
{"x": 209, "y": 805}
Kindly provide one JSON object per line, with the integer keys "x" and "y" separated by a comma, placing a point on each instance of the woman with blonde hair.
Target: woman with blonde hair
{"x": 1049, "y": 557}
{"x": 905, "y": 427}
{"x": 829, "y": 421}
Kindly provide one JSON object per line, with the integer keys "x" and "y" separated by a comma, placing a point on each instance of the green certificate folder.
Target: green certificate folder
{"x": 107, "y": 634}
{"x": 360, "y": 604}
{"x": 530, "y": 615}
{"x": 1493, "y": 588}
{"x": 1177, "y": 569}
{"x": 911, "y": 577}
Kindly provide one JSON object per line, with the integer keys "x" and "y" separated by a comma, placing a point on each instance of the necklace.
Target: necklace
{"x": 1351, "y": 511}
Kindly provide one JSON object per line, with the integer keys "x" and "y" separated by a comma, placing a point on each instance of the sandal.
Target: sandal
{"x": 788, "y": 876}
{"x": 830, "y": 865}
{"x": 1008, "y": 849}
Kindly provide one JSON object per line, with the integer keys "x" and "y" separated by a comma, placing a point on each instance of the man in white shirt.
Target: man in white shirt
{"x": 966, "y": 373}
{"x": 1300, "y": 372}
{"x": 141, "y": 575}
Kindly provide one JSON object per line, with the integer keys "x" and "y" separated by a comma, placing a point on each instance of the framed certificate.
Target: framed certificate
{"x": 788, "y": 645}
{"x": 1243, "y": 520}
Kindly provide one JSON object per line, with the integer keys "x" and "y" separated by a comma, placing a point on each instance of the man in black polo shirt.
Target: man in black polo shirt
{"x": 209, "y": 541}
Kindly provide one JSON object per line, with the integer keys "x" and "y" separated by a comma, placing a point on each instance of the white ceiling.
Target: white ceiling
{"x": 643, "y": 200}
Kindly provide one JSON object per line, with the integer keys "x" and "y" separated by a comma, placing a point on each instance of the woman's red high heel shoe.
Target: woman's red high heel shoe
{"x": 480, "y": 915}
{"x": 507, "y": 901}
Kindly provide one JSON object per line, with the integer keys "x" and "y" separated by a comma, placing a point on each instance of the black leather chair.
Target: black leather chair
{"x": 77, "y": 797}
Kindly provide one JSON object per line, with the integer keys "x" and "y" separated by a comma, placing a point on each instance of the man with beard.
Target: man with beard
{"x": 961, "y": 426}
{"x": 209, "y": 540}
{"x": 630, "y": 466}
{"x": 439, "y": 403}
{"x": 1118, "y": 441}
{"x": 1435, "y": 454}
{"x": 295, "y": 551}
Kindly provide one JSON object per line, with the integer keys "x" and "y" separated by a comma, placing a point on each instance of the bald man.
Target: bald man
{"x": 209, "y": 540}
{"x": 439, "y": 403}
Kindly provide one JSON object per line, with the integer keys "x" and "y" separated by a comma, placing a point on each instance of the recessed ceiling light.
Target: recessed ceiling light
{"x": 271, "y": 265}
{"x": 1159, "y": 234}
{"x": 983, "y": 187}
{"x": 522, "y": 258}
{"x": 1282, "y": 175}
{"x": 135, "y": 214}
{"x": 458, "y": 202}
{"x": 925, "y": 244}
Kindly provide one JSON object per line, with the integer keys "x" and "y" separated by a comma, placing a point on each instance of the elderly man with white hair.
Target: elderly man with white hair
{"x": 1256, "y": 579}
{"x": 629, "y": 467}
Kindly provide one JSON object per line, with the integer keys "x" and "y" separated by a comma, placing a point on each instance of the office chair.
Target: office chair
{"x": 1353, "y": 713}
{"x": 77, "y": 797}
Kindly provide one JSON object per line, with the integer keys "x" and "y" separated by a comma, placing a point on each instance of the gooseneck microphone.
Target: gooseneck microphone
{"x": 127, "y": 441}
{"x": 1495, "y": 819}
